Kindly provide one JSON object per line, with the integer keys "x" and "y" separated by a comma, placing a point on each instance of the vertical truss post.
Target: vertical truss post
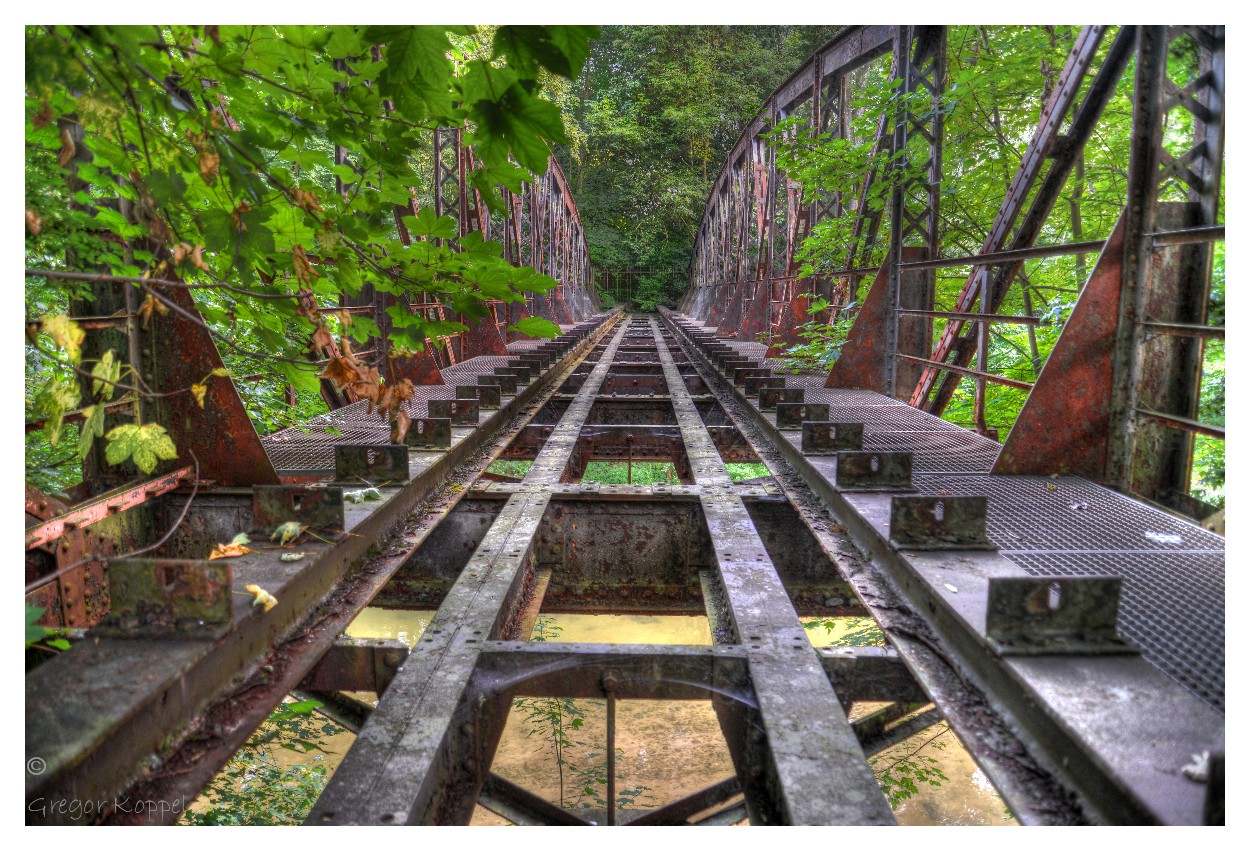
{"x": 922, "y": 68}
{"x": 1151, "y": 458}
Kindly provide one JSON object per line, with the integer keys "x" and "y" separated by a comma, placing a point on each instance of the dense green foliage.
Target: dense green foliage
{"x": 255, "y": 787}
{"x": 652, "y": 119}
{"x": 206, "y": 157}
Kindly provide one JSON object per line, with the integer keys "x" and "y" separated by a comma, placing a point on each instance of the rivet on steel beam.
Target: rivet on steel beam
{"x": 828, "y": 438}
{"x": 874, "y": 471}
{"x": 374, "y": 464}
{"x": 939, "y": 523}
{"x": 1032, "y": 616}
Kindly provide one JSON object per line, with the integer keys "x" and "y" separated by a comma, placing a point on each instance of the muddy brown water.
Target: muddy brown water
{"x": 667, "y": 749}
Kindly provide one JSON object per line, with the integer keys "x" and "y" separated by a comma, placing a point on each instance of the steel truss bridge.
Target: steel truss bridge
{"x": 1049, "y": 598}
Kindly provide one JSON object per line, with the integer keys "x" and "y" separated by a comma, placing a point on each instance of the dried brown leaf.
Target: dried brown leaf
{"x": 43, "y": 117}
{"x": 306, "y": 200}
{"x": 197, "y": 258}
{"x": 341, "y": 372}
{"x": 210, "y": 163}
{"x": 304, "y": 272}
{"x": 400, "y": 426}
{"x": 33, "y": 224}
{"x": 321, "y": 338}
{"x": 237, "y": 215}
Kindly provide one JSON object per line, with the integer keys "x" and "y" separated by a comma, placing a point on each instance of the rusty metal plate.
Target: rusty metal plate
{"x": 771, "y": 396}
{"x": 524, "y": 370}
{"x": 319, "y": 508}
{"x": 459, "y": 411}
{"x": 754, "y": 384}
{"x": 830, "y": 438}
{"x": 505, "y": 378}
{"x": 874, "y": 471}
{"x": 741, "y": 374}
{"x": 1039, "y": 617}
{"x": 158, "y": 598}
{"x": 939, "y": 523}
{"x": 429, "y": 433}
{"x": 487, "y": 395}
{"x": 1172, "y": 604}
{"x": 373, "y": 464}
{"x": 792, "y": 415}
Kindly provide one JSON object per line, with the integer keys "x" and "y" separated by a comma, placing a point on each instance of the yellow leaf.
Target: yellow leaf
{"x": 228, "y": 551}
{"x": 198, "y": 391}
{"x": 66, "y": 333}
{"x": 263, "y": 597}
{"x": 287, "y": 532}
{"x": 220, "y": 372}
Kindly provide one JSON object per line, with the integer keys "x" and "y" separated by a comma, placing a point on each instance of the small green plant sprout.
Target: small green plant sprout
{"x": 40, "y": 637}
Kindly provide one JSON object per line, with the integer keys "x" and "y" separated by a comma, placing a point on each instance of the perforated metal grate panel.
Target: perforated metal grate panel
{"x": 1171, "y": 605}
{"x": 1035, "y": 513}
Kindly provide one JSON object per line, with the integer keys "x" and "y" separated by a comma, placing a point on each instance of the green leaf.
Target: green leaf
{"x": 536, "y": 326}
{"x": 92, "y": 428}
{"x": 57, "y": 397}
{"x": 34, "y": 632}
{"x": 425, "y": 223}
{"x": 107, "y": 372}
{"x": 145, "y": 445}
